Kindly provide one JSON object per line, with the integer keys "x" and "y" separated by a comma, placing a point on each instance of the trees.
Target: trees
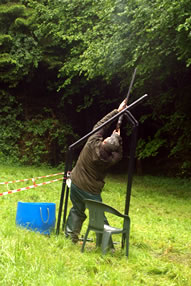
{"x": 80, "y": 55}
{"x": 19, "y": 49}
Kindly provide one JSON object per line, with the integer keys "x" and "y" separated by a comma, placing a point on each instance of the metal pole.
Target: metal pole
{"x": 67, "y": 165}
{"x": 65, "y": 207}
{"x": 130, "y": 165}
{"x": 120, "y": 119}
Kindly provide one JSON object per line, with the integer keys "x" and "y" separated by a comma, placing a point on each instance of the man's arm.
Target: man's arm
{"x": 108, "y": 116}
{"x": 104, "y": 119}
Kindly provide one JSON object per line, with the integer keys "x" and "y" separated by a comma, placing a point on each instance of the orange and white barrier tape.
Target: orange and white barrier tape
{"x": 31, "y": 179}
{"x": 29, "y": 187}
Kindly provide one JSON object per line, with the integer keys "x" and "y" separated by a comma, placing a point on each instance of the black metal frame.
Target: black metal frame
{"x": 69, "y": 156}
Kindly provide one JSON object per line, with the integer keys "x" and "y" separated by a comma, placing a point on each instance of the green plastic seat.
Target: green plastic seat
{"x": 103, "y": 231}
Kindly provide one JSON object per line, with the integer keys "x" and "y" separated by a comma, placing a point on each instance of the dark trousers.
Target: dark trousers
{"x": 77, "y": 215}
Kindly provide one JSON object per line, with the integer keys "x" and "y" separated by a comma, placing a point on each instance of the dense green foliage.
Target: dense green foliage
{"x": 64, "y": 61}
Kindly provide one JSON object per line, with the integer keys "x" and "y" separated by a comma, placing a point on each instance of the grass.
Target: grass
{"x": 160, "y": 237}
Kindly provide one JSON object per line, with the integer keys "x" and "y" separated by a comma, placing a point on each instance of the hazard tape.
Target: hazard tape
{"x": 31, "y": 179}
{"x": 29, "y": 187}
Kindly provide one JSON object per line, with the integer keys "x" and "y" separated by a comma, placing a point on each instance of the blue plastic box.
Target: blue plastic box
{"x": 40, "y": 217}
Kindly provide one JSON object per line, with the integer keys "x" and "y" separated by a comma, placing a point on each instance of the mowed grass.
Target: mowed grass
{"x": 160, "y": 237}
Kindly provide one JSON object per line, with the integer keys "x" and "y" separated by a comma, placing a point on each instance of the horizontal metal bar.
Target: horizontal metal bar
{"x": 132, "y": 105}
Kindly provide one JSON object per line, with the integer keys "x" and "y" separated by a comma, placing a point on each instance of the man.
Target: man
{"x": 90, "y": 170}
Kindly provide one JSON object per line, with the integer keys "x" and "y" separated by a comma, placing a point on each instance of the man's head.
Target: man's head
{"x": 112, "y": 143}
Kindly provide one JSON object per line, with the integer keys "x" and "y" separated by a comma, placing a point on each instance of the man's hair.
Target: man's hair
{"x": 112, "y": 143}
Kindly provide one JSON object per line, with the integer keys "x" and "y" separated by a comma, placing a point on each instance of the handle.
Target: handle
{"x": 42, "y": 217}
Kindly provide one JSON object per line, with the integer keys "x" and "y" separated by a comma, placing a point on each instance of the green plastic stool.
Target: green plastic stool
{"x": 103, "y": 231}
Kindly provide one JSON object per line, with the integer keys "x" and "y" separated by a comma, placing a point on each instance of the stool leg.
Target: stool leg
{"x": 85, "y": 238}
{"x": 127, "y": 239}
{"x": 105, "y": 241}
{"x": 98, "y": 239}
{"x": 127, "y": 244}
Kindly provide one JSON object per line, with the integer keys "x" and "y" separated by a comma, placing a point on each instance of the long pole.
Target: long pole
{"x": 67, "y": 168}
{"x": 127, "y": 98}
{"x": 130, "y": 164}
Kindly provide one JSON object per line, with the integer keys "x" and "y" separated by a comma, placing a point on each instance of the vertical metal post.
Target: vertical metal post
{"x": 131, "y": 167}
{"x": 65, "y": 207}
{"x": 70, "y": 159}
{"x": 131, "y": 164}
{"x": 67, "y": 166}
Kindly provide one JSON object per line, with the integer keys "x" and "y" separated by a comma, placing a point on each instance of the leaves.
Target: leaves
{"x": 80, "y": 55}
{"x": 20, "y": 50}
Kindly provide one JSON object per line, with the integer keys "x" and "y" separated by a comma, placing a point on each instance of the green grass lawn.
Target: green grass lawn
{"x": 160, "y": 237}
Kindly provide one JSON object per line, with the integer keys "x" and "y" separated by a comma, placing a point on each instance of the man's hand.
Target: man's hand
{"x": 122, "y": 106}
{"x": 115, "y": 131}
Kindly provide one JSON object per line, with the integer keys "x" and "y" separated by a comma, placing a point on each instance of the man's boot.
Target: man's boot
{"x": 73, "y": 226}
